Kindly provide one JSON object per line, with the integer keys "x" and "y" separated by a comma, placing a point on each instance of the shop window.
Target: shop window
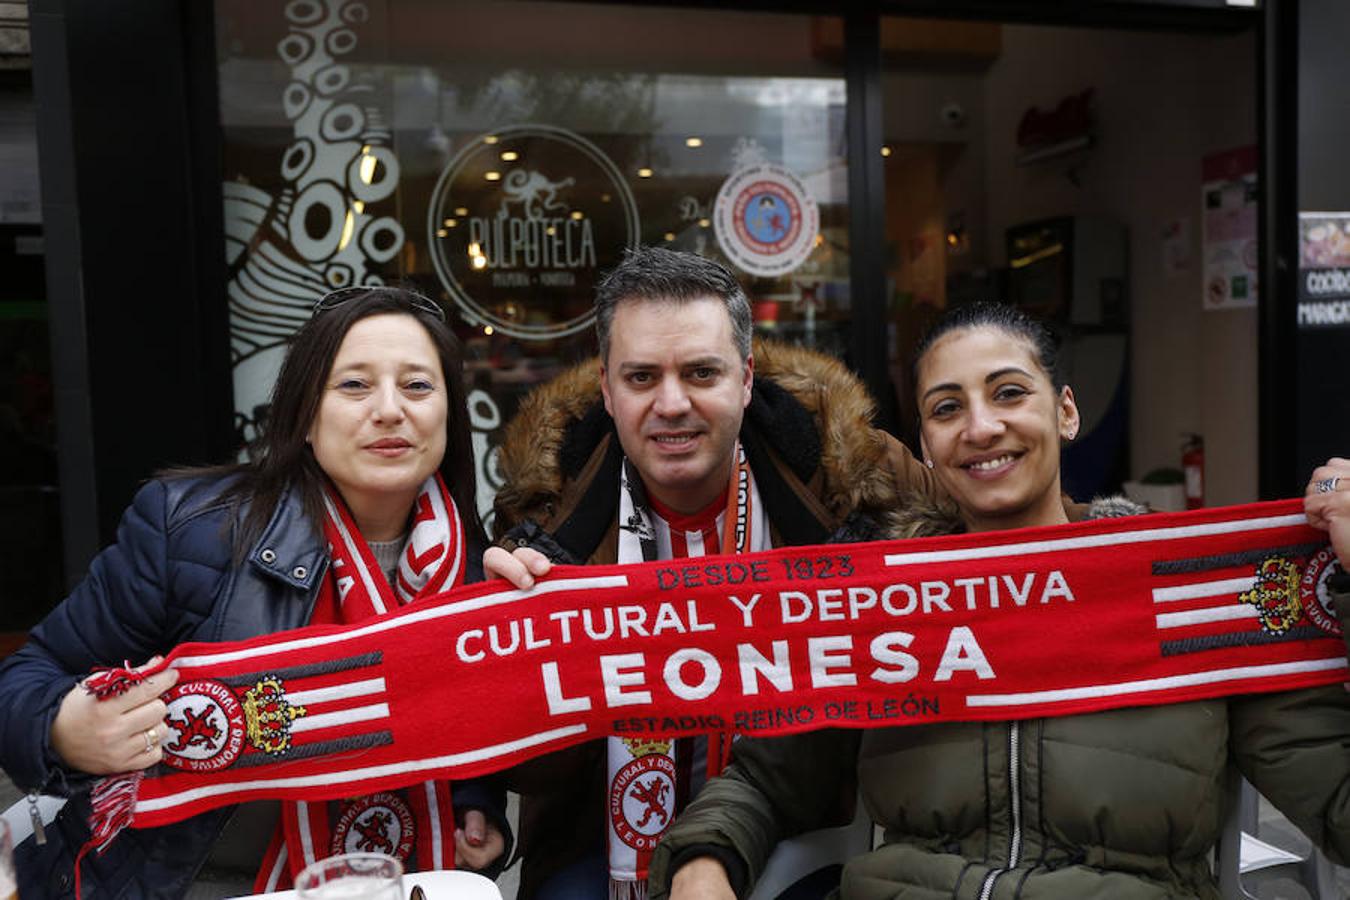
{"x": 500, "y": 156}
{"x": 1071, "y": 172}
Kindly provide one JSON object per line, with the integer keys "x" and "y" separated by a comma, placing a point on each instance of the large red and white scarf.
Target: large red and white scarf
{"x": 415, "y": 824}
{"x": 644, "y": 776}
{"x": 1074, "y": 618}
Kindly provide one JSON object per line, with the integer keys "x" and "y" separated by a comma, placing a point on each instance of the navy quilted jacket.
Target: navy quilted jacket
{"x": 171, "y": 577}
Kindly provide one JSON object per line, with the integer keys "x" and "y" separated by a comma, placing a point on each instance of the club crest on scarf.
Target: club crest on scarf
{"x": 1314, "y": 594}
{"x": 1275, "y": 595}
{"x": 642, "y": 794}
{"x": 207, "y": 727}
{"x": 1286, "y": 595}
{"x": 269, "y": 715}
{"x": 378, "y": 823}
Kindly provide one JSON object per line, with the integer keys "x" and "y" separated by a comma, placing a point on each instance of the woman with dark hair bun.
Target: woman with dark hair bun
{"x": 359, "y": 498}
{"x": 1125, "y": 804}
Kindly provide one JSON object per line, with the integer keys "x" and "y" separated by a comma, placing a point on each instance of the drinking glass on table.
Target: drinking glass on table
{"x": 352, "y": 876}
{"x": 9, "y": 880}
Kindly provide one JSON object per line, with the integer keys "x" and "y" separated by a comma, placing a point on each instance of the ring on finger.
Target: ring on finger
{"x": 1327, "y": 485}
{"x": 151, "y": 739}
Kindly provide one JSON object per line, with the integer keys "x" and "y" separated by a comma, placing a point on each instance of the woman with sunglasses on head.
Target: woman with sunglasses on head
{"x": 1125, "y": 804}
{"x": 359, "y": 498}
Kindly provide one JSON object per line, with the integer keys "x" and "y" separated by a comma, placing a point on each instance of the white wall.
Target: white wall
{"x": 1163, "y": 102}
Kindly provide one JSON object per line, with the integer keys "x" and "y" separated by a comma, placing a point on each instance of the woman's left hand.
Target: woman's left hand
{"x": 1326, "y": 500}
{"x": 478, "y": 843}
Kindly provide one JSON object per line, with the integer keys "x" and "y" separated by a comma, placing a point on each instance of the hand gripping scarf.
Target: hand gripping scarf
{"x": 643, "y": 775}
{"x": 1051, "y": 621}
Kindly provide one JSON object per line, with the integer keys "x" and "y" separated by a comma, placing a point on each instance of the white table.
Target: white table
{"x": 436, "y": 885}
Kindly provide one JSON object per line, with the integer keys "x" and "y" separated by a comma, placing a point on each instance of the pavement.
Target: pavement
{"x": 1273, "y": 828}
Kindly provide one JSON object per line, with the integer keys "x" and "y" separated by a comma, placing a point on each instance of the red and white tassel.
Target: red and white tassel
{"x": 114, "y": 682}
{"x": 114, "y": 803}
{"x": 627, "y": 890}
{"x": 113, "y": 799}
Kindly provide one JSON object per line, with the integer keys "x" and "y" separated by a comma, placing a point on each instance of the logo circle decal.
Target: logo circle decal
{"x": 206, "y": 725}
{"x": 642, "y": 800}
{"x": 378, "y": 823}
{"x": 1316, "y": 598}
{"x": 766, "y": 220}
{"x": 521, "y": 224}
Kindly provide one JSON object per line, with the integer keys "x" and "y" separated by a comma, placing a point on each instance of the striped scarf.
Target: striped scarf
{"x": 414, "y": 824}
{"x": 1069, "y": 619}
{"x": 646, "y": 778}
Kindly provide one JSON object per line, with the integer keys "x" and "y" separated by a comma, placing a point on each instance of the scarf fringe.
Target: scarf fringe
{"x": 113, "y": 682}
{"x": 113, "y": 799}
{"x": 113, "y": 803}
{"x": 627, "y": 890}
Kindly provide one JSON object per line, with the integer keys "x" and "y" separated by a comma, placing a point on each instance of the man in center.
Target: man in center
{"x": 688, "y": 444}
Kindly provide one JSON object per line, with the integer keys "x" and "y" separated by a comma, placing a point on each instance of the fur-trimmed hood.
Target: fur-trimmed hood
{"x": 812, "y": 411}
{"x": 918, "y": 515}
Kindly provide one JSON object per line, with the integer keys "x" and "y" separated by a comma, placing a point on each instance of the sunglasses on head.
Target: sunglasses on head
{"x": 334, "y": 299}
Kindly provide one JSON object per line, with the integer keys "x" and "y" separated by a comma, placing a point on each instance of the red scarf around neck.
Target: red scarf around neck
{"x": 645, "y": 779}
{"x": 416, "y": 824}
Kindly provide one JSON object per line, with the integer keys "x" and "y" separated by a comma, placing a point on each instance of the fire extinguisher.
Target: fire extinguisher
{"x": 1193, "y": 465}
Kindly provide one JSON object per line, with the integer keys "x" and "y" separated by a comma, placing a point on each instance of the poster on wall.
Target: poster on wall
{"x": 1228, "y": 219}
{"x": 1323, "y": 270}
